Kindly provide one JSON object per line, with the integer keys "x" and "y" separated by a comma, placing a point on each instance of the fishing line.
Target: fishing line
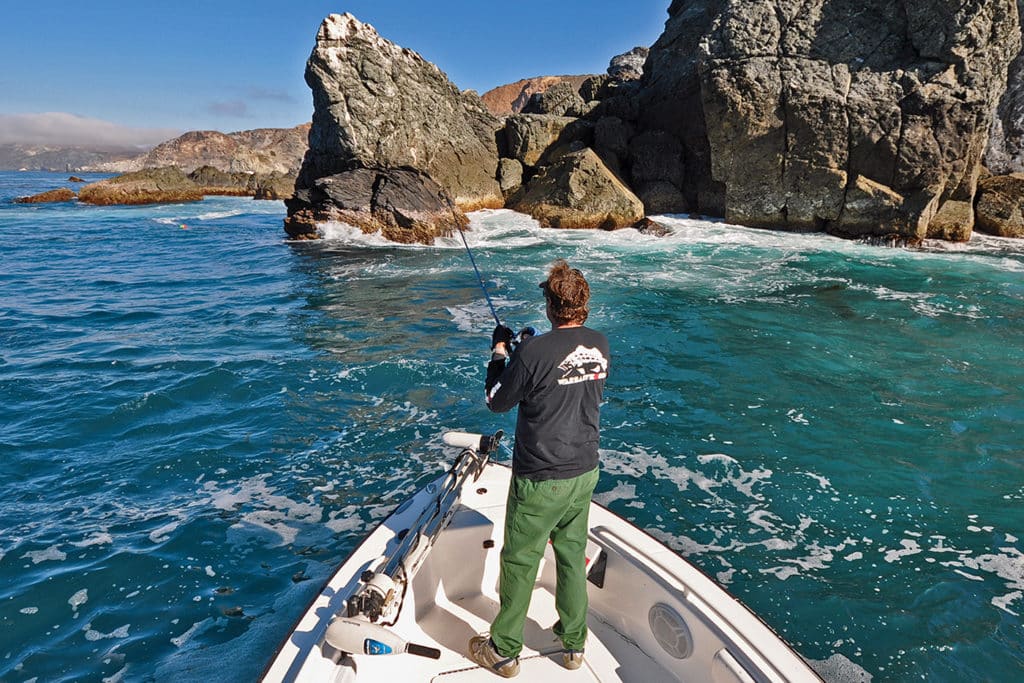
{"x": 479, "y": 279}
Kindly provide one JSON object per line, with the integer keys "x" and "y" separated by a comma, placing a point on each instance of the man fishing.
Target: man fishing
{"x": 557, "y": 381}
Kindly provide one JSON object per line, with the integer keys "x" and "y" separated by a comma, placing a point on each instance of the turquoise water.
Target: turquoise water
{"x": 201, "y": 421}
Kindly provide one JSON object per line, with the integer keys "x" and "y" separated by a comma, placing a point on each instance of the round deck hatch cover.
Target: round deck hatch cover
{"x": 670, "y": 631}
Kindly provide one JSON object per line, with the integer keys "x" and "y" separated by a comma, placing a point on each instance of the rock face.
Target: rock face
{"x": 578, "y": 191}
{"x": 1005, "y": 152}
{"x": 856, "y": 117}
{"x": 402, "y": 204}
{"x": 379, "y": 105}
{"x": 628, "y": 66}
{"x": 509, "y": 99}
{"x": 1000, "y": 206}
{"x": 262, "y": 151}
{"x": 152, "y": 186}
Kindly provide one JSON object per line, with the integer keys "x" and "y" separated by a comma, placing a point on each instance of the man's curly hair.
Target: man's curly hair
{"x": 567, "y": 293}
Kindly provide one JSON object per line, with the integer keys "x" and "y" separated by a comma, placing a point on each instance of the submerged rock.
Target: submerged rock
{"x": 402, "y": 204}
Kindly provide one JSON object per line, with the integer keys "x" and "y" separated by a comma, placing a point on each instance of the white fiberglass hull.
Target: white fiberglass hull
{"x": 656, "y": 618}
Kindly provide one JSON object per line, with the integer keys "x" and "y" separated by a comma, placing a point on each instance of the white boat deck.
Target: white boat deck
{"x": 454, "y": 597}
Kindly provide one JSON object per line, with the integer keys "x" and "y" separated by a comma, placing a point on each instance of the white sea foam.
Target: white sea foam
{"x": 163, "y": 533}
{"x": 622, "y": 491}
{"x": 51, "y": 554}
{"x": 78, "y": 599}
{"x": 93, "y": 635}
{"x": 198, "y": 627}
{"x": 29, "y": 610}
{"x": 96, "y": 539}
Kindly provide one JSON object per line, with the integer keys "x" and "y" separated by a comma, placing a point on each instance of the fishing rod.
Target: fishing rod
{"x": 479, "y": 279}
{"x": 523, "y": 333}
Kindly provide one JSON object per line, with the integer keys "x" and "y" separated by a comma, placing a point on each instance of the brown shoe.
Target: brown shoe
{"x": 482, "y": 651}
{"x": 572, "y": 659}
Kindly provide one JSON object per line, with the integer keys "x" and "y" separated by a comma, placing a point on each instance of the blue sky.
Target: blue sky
{"x": 142, "y": 71}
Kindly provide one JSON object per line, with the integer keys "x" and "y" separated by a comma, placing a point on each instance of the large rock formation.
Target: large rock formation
{"x": 857, "y": 117}
{"x": 378, "y": 104}
{"x": 262, "y": 151}
{"x": 578, "y": 191}
{"x": 382, "y": 107}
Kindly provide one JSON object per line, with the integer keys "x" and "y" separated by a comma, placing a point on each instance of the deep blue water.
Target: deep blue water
{"x": 201, "y": 420}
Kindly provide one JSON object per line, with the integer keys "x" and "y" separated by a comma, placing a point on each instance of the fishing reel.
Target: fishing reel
{"x": 376, "y": 599}
{"x": 523, "y": 335}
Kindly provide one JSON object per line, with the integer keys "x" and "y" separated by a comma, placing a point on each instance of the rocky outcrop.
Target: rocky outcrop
{"x": 379, "y": 105}
{"x": 1005, "y": 152}
{"x": 628, "y": 66}
{"x": 1000, "y": 206}
{"x": 856, "y": 117}
{"x": 262, "y": 151}
{"x": 509, "y": 99}
{"x": 402, "y": 204}
{"x": 559, "y": 100}
{"x": 578, "y": 191}
{"x": 60, "y": 195}
{"x": 151, "y": 186}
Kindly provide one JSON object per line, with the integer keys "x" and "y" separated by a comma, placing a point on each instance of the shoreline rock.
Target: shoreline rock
{"x": 404, "y": 205}
{"x": 62, "y": 194}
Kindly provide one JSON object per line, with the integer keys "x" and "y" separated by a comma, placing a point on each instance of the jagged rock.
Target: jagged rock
{"x": 558, "y": 100}
{"x": 273, "y": 186}
{"x": 528, "y": 136}
{"x": 621, "y": 100}
{"x": 75, "y": 179}
{"x": 216, "y": 182}
{"x": 262, "y": 151}
{"x": 656, "y": 157}
{"x": 402, "y": 204}
{"x": 510, "y": 176}
{"x": 954, "y": 221}
{"x": 52, "y": 196}
{"x": 1005, "y": 152}
{"x": 594, "y": 88}
{"x": 380, "y": 105}
{"x": 628, "y": 66}
{"x": 611, "y": 138}
{"x": 1000, "y": 206}
{"x": 509, "y": 99}
{"x": 651, "y": 227}
{"x": 830, "y": 114}
{"x": 659, "y": 196}
{"x": 578, "y": 191}
{"x": 151, "y": 186}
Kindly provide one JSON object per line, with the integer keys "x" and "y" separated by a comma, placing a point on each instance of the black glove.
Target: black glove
{"x": 502, "y": 334}
{"x": 526, "y": 333}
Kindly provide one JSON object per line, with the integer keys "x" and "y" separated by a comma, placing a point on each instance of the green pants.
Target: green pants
{"x": 538, "y": 510}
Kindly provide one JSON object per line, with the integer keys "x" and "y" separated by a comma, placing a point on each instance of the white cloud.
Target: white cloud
{"x": 60, "y": 128}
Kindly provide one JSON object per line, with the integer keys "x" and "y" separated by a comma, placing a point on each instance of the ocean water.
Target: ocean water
{"x": 200, "y": 420}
